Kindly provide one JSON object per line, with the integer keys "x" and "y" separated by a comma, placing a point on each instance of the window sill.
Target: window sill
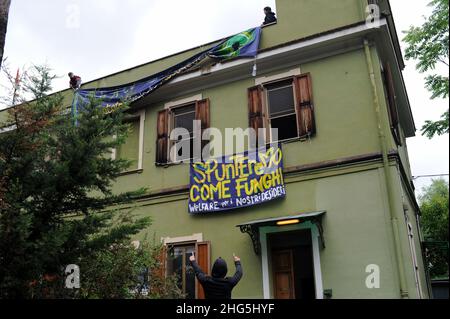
{"x": 130, "y": 172}
{"x": 166, "y": 165}
{"x": 293, "y": 140}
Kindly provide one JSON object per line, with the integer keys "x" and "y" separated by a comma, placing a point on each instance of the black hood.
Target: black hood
{"x": 220, "y": 268}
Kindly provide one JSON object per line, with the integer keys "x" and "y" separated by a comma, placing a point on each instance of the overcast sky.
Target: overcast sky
{"x": 94, "y": 38}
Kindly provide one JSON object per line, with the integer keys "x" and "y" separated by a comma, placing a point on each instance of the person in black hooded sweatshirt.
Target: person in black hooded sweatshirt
{"x": 270, "y": 16}
{"x": 217, "y": 286}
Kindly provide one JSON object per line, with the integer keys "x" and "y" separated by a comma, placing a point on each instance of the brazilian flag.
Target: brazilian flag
{"x": 244, "y": 44}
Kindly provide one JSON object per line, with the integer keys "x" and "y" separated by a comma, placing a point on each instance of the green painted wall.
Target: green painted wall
{"x": 356, "y": 231}
{"x": 343, "y": 114}
{"x": 300, "y": 19}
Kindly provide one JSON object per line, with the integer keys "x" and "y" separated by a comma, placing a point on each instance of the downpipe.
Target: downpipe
{"x": 387, "y": 174}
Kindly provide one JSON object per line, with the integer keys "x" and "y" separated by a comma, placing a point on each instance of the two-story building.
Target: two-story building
{"x": 330, "y": 80}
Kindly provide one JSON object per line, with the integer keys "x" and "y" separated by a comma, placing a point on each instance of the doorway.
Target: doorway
{"x": 292, "y": 265}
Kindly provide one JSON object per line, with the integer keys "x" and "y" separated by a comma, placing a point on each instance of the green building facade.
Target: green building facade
{"x": 352, "y": 220}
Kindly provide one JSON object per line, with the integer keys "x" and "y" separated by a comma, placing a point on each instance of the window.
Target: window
{"x": 181, "y": 116}
{"x": 133, "y": 147}
{"x": 281, "y": 109}
{"x": 412, "y": 248}
{"x": 130, "y": 149}
{"x": 286, "y": 105}
{"x": 391, "y": 101}
{"x": 178, "y": 264}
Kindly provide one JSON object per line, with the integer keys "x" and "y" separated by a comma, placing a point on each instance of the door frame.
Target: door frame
{"x": 315, "y": 237}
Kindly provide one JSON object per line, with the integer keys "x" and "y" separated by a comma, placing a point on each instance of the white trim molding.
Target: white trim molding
{"x": 140, "y": 164}
{"x": 8, "y": 128}
{"x": 180, "y": 102}
{"x": 141, "y": 138}
{"x": 173, "y": 105}
{"x": 279, "y": 76}
{"x": 114, "y": 150}
{"x": 183, "y": 239}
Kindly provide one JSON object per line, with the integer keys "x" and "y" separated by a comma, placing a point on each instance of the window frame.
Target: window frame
{"x": 171, "y": 126}
{"x": 412, "y": 248}
{"x": 194, "y": 239}
{"x": 266, "y": 108}
{"x": 391, "y": 97}
{"x": 169, "y": 107}
{"x": 171, "y": 246}
{"x": 140, "y": 115}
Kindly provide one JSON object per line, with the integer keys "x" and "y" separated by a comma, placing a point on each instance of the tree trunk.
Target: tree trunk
{"x": 4, "y": 10}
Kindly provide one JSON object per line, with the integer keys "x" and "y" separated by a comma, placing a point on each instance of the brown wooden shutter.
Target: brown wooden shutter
{"x": 392, "y": 103}
{"x": 162, "y": 137}
{"x": 202, "y": 114}
{"x": 204, "y": 261}
{"x": 304, "y": 105}
{"x": 255, "y": 108}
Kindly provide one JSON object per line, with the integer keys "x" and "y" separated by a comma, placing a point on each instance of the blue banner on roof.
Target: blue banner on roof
{"x": 241, "y": 180}
{"x": 244, "y": 44}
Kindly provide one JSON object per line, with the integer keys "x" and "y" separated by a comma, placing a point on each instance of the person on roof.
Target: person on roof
{"x": 270, "y": 16}
{"x": 75, "y": 81}
{"x": 217, "y": 286}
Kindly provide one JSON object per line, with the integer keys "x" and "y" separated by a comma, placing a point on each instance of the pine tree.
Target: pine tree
{"x": 56, "y": 203}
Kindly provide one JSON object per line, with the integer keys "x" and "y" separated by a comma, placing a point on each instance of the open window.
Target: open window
{"x": 281, "y": 109}
{"x": 183, "y": 117}
{"x": 178, "y": 264}
{"x": 180, "y": 116}
{"x": 285, "y": 105}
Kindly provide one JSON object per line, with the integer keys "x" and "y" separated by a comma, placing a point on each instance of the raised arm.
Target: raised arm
{"x": 198, "y": 271}
{"x": 238, "y": 274}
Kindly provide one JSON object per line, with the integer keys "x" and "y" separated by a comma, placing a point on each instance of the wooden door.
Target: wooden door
{"x": 283, "y": 274}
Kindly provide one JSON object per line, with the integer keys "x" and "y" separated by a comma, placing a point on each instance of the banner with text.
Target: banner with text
{"x": 240, "y": 180}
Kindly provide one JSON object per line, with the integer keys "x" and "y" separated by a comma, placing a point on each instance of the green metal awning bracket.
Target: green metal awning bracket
{"x": 253, "y": 232}
{"x": 252, "y": 227}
